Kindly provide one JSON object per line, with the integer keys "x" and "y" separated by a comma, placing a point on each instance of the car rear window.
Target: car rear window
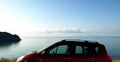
{"x": 86, "y": 49}
{"x": 90, "y": 49}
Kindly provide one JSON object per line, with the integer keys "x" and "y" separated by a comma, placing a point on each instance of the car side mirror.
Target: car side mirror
{"x": 43, "y": 52}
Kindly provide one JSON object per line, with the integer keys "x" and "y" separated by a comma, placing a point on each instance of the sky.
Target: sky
{"x": 60, "y": 17}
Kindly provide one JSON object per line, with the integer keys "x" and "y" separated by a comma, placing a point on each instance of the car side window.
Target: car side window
{"x": 61, "y": 49}
{"x": 96, "y": 49}
{"x": 78, "y": 50}
{"x": 82, "y": 49}
{"x": 90, "y": 49}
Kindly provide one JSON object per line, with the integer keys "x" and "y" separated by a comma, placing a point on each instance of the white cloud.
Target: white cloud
{"x": 69, "y": 32}
{"x": 55, "y": 32}
{"x": 62, "y": 31}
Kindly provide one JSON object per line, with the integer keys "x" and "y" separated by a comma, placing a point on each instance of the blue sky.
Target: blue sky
{"x": 60, "y": 17}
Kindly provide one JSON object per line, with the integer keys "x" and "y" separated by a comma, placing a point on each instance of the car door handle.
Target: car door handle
{"x": 67, "y": 58}
{"x": 91, "y": 58}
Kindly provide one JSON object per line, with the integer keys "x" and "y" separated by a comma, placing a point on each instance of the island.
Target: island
{"x": 7, "y": 37}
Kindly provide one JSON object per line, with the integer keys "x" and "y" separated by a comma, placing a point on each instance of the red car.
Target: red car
{"x": 70, "y": 51}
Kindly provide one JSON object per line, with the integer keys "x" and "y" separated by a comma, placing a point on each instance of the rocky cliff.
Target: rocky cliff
{"x": 7, "y": 37}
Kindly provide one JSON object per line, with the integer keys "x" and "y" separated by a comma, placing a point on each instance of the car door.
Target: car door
{"x": 57, "y": 53}
{"x": 79, "y": 55}
{"x": 85, "y": 53}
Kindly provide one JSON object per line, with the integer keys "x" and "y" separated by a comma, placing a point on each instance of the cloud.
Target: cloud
{"x": 55, "y": 32}
{"x": 62, "y": 31}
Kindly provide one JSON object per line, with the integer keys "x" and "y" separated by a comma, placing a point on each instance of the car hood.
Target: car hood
{"x": 26, "y": 56}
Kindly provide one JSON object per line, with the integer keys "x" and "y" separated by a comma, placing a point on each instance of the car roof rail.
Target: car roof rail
{"x": 86, "y": 41}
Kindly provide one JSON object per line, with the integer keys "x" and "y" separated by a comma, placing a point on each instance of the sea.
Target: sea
{"x": 29, "y": 44}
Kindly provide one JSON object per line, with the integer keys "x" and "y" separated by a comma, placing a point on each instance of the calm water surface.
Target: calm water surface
{"x": 29, "y": 44}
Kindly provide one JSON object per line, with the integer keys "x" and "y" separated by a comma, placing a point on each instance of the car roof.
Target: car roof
{"x": 80, "y": 41}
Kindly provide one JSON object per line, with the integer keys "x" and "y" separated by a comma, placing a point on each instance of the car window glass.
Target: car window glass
{"x": 96, "y": 49}
{"x": 62, "y": 49}
{"x": 53, "y": 51}
{"x": 90, "y": 49}
{"x": 78, "y": 50}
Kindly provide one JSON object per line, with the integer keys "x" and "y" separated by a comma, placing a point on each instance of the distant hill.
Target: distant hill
{"x": 7, "y": 37}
